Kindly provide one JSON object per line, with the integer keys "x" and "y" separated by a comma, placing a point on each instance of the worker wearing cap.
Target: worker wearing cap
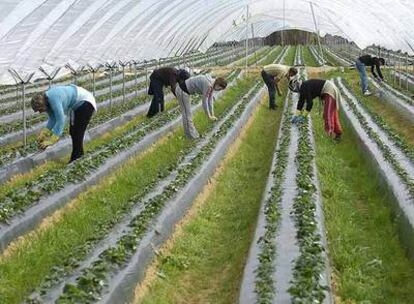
{"x": 59, "y": 102}
{"x": 271, "y": 75}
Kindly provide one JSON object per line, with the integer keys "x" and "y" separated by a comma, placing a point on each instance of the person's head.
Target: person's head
{"x": 292, "y": 72}
{"x": 39, "y": 103}
{"x": 381, "y": 61}
{"x": 219, "y": 84}
{"x": 294, "y": 85}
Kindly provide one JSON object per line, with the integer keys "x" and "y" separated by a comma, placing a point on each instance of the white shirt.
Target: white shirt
{"x": 85, "y": 95}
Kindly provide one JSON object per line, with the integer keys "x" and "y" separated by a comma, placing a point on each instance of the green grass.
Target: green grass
{"x": 206, "y": 262}
{"x": 68, "y": 236}
{"x": 290, "y": 56}
{"x": 308, "y": 58}
{"x": 369, "y": 264}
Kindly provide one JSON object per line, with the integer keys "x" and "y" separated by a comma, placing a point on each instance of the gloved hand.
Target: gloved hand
{"x": 300, "y": 117}
{"x": 213, "y": 118}
{"x": 44, "y": 133}
{"x": 49, "y": 141}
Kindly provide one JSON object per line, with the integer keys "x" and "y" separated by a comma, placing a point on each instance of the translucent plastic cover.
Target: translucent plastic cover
{"x": 55, "y": 32}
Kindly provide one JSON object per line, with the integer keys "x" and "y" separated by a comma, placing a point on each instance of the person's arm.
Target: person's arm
{"x": 277, "y": 86}
{"x": 51, "y": 121}
{"x": 309, "y": 102}
{"x": 207, "y": 102}
{"x": 377, "y": 66}
{"x": 373, "y": 72}
{"x": 301, "y": 102}
{"x": 57, "y": 110}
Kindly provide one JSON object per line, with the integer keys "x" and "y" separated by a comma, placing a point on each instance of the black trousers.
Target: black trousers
{"x": 269, "y": 80}
{"x": 79, "y": 122}
{"x": 157, "y": 103}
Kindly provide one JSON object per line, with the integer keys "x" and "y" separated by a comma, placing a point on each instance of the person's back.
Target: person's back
{"x": 368, "y": 60}
{"x": 167, "y": 75}
{"x": 276, "y": 70}
{"x": 199, "y": 84}
{"x": 312, "y": 88}
{"x": 63, "y": 96}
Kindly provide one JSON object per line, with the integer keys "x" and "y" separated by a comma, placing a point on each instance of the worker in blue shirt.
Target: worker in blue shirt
{"x": 59, "y": 102}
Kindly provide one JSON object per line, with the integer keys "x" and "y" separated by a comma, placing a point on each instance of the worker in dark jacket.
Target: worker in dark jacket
{"x": 160, "y": 78}
{"x": 329, "y": 95}
{"x": 373, "y": 62}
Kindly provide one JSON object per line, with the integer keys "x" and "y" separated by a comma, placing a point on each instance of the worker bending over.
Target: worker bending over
{"x": 373, "y": 62}
{"x": 328, "y": 94}
{"x": 59, "y": 102}
{"x": 160, "y": 78}
{"x": 271, "y": 75}
{"x": 204, "y": 85}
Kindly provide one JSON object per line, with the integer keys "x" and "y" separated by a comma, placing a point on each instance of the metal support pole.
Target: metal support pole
{"x": 22, "y": 81}
{"x": 135, "y": 63}
{"x": 395, "y": 72}
{"x": 94, "y": 70}
{"x": 406, "y": 71}
{"x": 317, "y": 33}
{"x": 146, "y": 75}
{"x": 123, "y": 65}
{"x": 399, "y": 78}
{"x": 50, "y": 76}
{"x": 255, "y": 53}
{"x": 247, "y": 36}
{"x": 284, "y": 19}
{"x": 111, "y": 66}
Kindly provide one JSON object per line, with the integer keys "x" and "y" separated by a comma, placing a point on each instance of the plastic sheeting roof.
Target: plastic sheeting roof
{"x": 54, "y": 32}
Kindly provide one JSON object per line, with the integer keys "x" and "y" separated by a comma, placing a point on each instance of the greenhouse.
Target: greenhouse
{"x": 206, "y": 151}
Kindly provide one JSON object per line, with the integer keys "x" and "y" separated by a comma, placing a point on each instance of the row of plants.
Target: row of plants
{"x": 309, "y": 58}
{"x": 306, "y": 286}
{"x": 316, "y": 56}
{"x": 264, "y": 273}
{"x": 392, "y": 134}
{"x": 289, "y": 58}
{"x": 272, "y": 56}
{"x": 385, "y": 150}
{"x": 90, "y": 231}
{"x": 91, "y": 283}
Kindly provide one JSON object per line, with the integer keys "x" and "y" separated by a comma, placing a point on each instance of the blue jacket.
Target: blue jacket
{"x": 61, "y": 100}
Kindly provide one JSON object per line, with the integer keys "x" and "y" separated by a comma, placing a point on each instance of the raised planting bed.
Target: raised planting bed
{"x": 391, "y": 162}
{"x": 309, "y": 58}
{"x": 287, "y": 261}
{"x": 271, "y": 57}
{"x": 298, "y": 56}
{"x": 289, "y": 57}
{"x": 402, "y": 102}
